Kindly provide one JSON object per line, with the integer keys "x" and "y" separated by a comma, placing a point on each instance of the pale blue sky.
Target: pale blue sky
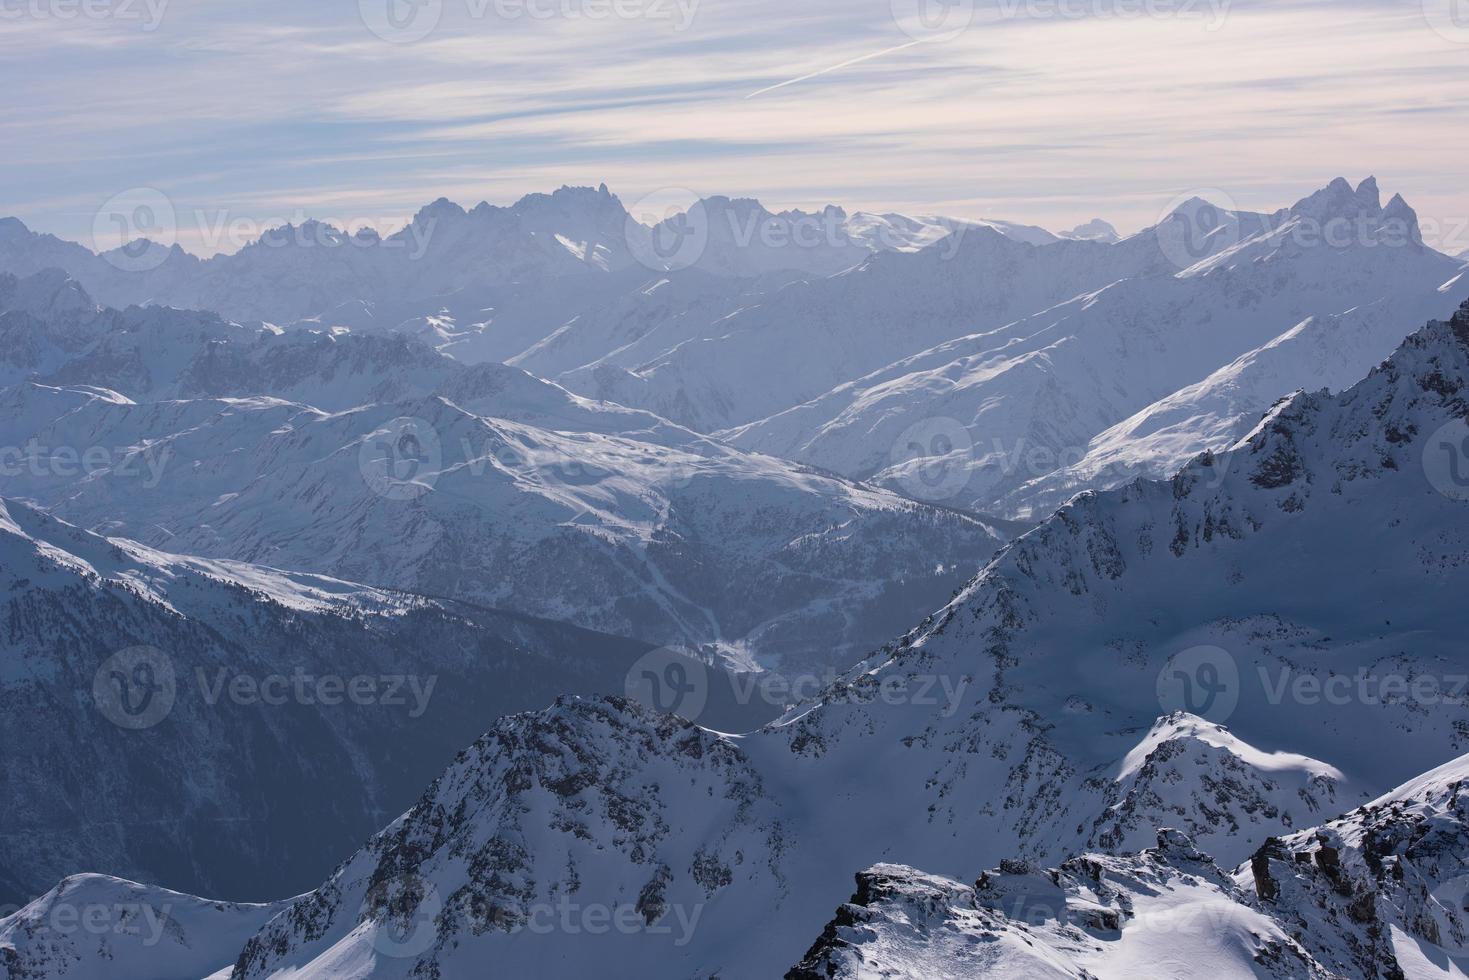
{"x": 1047, "y": 111}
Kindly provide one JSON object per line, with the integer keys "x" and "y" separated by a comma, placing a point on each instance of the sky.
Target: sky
{"x": 244, "y": 115}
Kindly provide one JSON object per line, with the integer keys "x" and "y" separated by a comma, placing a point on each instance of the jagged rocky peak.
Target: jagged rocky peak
{"x": 1382, "y": 891}
{"x": 439, "y": 209}
{"x": 1165, "y": 912}
{"x": 1339, "y": 212}
{"x": 571, "y": 200}
{"x": 556, "y": 806}
{"x": 1340, "y": 199}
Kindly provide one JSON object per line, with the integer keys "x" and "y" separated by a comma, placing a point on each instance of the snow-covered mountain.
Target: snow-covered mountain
{"x": 301, "y": 270}
{"x": 740, "y": 238}
{"x": 1381, "y": 891}
{"x": 685, "y": 311}
{"x": 574, "y": 246}
{"x": 1322, "y": 352}
{"x": 796, "y": 343}
{"x": 1377, "y": 893}
{"x": 55, "y": 334}
{"x": 811, "y": 336}
{"x": 1020, "y": 722}
{"x": 212, "y": 438}
{"x": 984, "y": 421}
{"x": 1167, "y": 912}
{"x": 232, "y": 729}
{"x": 660, "y": 314}
{"x": 545, "y": 504}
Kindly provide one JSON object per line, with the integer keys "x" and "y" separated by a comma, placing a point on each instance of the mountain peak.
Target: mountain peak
{"x": 1398, "y": 211}
{"x": 596, "y": 197}
{"x": 438, "y": 209}
{"x": 1339, "y": 200}
{"x": 13, "y": 228}
{"x": 1095, "y": 230}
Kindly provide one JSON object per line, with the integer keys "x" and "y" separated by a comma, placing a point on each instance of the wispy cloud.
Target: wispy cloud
{"x": 271, "y": 107}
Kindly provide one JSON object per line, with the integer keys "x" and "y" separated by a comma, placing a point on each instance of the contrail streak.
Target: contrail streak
{"x": 844, "y": 64}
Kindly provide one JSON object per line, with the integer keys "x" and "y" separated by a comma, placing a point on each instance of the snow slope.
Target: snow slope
{"x": 801, "y": 341}
{"x": 93, "y": 927}
{"x": 1321, "y": 352}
